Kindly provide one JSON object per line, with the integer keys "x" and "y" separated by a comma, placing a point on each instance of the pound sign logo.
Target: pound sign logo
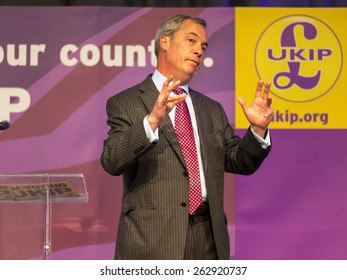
{"x": 302, "y": 55}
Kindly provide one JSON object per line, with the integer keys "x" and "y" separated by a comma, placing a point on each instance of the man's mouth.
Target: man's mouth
{"x": 194, "y": 61}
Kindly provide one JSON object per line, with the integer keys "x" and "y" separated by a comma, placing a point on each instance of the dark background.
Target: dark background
{"x": 182, "y": 3}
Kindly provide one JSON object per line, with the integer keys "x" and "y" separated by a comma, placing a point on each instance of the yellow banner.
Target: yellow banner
{"x": 301, "y": 51}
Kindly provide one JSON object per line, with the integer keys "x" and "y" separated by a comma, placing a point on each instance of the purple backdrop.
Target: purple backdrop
{"x": 295, "y": 206}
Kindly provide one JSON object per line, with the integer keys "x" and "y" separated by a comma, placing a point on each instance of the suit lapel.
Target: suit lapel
{"x": 148, "y": 95}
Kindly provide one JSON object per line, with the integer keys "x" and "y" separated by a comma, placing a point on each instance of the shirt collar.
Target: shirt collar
{"x": 159, "y": 79}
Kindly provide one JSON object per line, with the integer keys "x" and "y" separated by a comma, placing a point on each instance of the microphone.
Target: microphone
{"x": 4, "y": 125}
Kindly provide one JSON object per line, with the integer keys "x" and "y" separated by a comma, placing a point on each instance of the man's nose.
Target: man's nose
{"x": 198, "y": 51}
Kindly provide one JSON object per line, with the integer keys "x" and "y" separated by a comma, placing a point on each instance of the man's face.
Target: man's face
{"x": 185, "y": 50}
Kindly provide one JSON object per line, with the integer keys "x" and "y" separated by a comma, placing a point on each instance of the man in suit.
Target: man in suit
{"x": 156, "y": 221}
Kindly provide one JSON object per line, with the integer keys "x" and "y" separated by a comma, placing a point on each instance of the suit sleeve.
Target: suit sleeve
{"x": 242, "y": 155}
{"x": 126, "y": 140}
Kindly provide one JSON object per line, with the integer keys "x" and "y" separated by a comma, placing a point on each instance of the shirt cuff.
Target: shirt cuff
{"x": 152, "y": 136}
{"x": 264, "y": 143}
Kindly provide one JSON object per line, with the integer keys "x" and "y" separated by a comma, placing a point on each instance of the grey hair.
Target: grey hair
{"x": 171, "y": 26}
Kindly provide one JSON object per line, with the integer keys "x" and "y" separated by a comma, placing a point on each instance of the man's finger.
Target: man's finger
{"x": 168, "y": 81}
{"x": 242, "y": 102}
{"x": 259, "y": 88}
{"x": 177, "y": 98}
{"x": 266, "y": 90}
{"x": 173, "y": 85}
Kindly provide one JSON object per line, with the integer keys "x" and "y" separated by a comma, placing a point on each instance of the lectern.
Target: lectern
{"x": 26, "y": 211}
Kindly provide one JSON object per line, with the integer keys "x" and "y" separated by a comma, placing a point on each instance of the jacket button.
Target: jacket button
{"x": 183, "y": 204}
{"x": 185, "y": 173}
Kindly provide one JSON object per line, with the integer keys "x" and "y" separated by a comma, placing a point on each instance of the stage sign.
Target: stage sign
{"x": 301, "y": 51}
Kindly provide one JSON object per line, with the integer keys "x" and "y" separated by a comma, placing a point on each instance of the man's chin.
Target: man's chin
{"x": 192, "y": 71}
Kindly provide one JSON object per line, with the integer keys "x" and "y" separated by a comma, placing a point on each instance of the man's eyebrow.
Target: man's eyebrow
{"x": 204, "y": 43}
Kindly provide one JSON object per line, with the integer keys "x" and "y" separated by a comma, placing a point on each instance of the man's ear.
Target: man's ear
{"x": 164, "y": 42}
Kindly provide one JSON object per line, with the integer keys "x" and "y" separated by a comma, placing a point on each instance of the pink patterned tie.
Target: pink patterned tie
{"x": 185, "y": 136}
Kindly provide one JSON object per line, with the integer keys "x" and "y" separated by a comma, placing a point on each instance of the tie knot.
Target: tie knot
{"x": 178, "y": 90}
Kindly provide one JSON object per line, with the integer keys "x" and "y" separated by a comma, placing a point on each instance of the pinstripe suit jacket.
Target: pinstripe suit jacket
{"x": 154, "y": 215}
